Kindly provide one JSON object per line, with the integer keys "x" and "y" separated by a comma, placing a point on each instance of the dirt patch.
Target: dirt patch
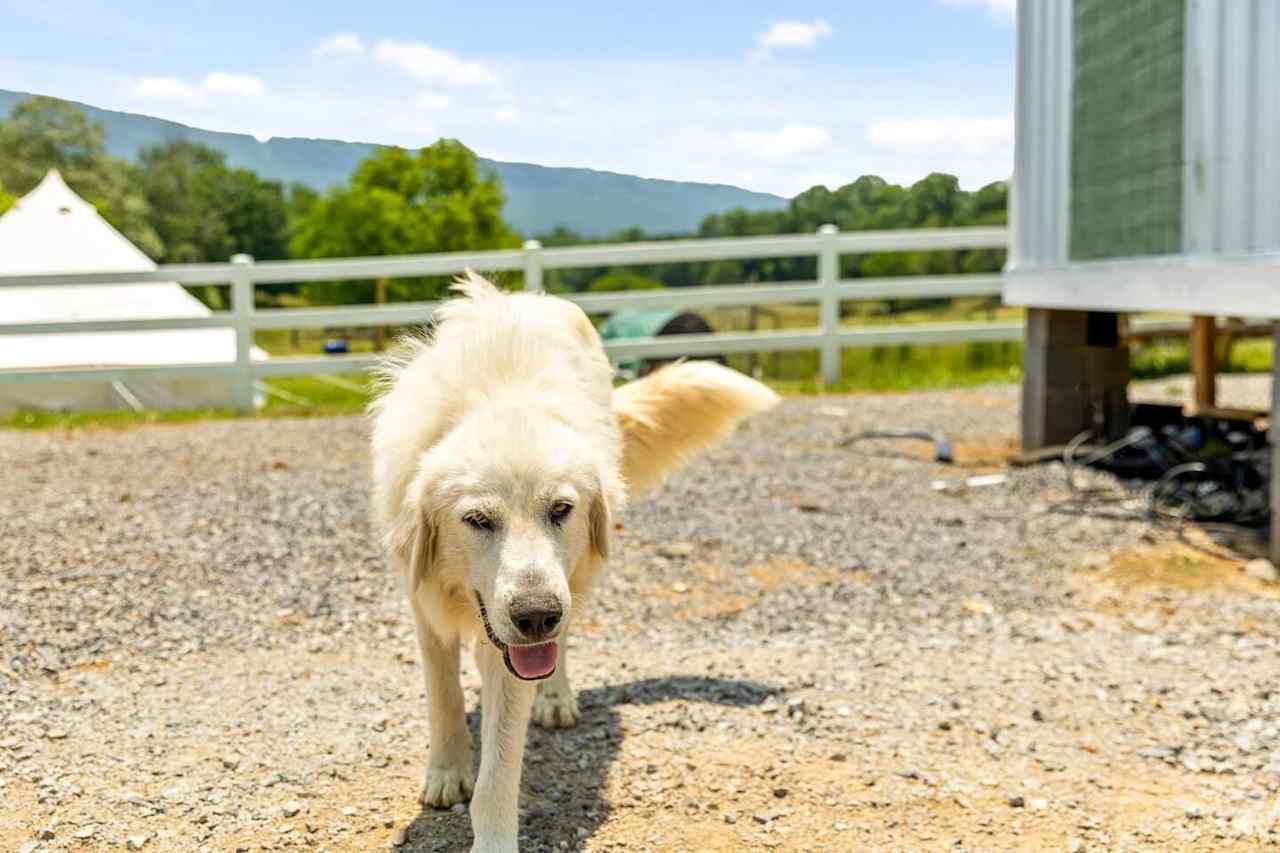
{"x": 701, "y": 594}
{"x": 978, "y": 455}
{"x": 1194, "y": 564}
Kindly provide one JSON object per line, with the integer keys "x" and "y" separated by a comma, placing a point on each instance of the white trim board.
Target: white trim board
{"x": 1242, "y": 285}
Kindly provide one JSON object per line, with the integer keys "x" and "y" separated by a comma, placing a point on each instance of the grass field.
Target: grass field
{"x": 880, "y": 369}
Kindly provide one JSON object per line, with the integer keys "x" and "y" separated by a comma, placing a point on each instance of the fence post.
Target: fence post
{"x": 242, "y": 311}
{"x": 532, "y": 266}
{"x": 829, "y": 303}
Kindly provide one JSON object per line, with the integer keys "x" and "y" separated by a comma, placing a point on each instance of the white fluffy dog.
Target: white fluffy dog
{"x": 500, "y": 452}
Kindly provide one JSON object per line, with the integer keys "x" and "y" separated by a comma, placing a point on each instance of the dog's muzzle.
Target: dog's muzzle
{"x": 506, "y": 649}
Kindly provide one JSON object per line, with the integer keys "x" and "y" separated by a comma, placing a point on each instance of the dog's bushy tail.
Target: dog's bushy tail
{"x": 678, "y": 410}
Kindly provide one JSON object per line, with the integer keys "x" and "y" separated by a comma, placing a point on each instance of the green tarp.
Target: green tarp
{"x": 635, "y": 324}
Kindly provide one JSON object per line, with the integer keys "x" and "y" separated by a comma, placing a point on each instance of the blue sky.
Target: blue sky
{"x": 769, "y": 96}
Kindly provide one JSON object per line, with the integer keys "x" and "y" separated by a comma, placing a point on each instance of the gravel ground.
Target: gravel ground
{"x": 1242, "y": 390}
{"x": 799, "y": 647}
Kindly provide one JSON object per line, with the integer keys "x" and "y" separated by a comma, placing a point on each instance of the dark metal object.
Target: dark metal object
{"x": 1204, "y": 469}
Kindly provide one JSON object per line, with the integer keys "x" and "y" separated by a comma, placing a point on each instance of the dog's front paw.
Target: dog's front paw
{"x": 494, "y": 845}
{"x": 556, "y": 710}
{"x": 444, "y": 786}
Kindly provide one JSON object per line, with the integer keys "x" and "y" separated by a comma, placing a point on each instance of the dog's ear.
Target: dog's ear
{"x": 414, "y": 540}
{"x": 423, "y": 554}
{"x": 600, "y": 522}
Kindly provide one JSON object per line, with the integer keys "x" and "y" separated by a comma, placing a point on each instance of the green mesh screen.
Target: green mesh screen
{"x": 1126, "y": 128}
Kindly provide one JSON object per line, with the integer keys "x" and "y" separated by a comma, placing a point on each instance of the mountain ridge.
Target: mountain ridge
{"x": 539, "y": 198}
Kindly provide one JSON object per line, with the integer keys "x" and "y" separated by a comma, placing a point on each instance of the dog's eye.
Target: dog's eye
{"x": 478, "y": 520}
{"x": 560, "y": 511}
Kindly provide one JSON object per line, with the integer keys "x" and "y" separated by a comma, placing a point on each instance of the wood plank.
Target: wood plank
{"x": 1204, "y": 366}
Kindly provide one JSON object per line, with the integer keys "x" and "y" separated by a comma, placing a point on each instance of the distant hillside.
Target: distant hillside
{"x": 538, "y": 197}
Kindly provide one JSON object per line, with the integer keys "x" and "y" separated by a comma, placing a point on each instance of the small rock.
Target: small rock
{"x": 1037, "y": 716}
{"x": 676, "y": 550}
{"x": 780, "y": 792}
{"x": 1262, "y": 570}
{"x": 1039, "y": 804}
{"x": 1074, "y": 845}
{"x": 909, "y": 773}
{"x": 730, "y": 818}
{"x": 231, "y": 762}
{"x": 348, "y": 812}
{"x": 291, "y": 808}
{"x": 56, "y": 734}
{"x": 1017, "y": 802}
{"x": 87, "y": 832}
{"x": 137, "y": 842}
{"x": 839, "y": 756}
{"x": 400, "y": 836}
{"x": 45, "y": 833}
{"x": 459, "y": 808}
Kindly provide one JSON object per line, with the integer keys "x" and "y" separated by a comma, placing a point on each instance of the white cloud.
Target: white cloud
{"x": 222, "y": 83}
{"x": 432, "y": 101}
{"x": 507, "y": 115}
{"x": 791, "y": 34}
{"x": 163, "y": 87}
{"x": 791, "y": 141}
{"x": 970, "y": 135}
{"x": 217, "y": 83}
{"x": 340, "y": 44}
{"x": 1005, "y": 9}
{"x": 433, "y": 65}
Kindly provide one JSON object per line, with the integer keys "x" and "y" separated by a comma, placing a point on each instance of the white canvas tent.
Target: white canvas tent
{"x": 53, "y": 230}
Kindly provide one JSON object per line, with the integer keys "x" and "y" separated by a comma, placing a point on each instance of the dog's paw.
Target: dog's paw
{"x": 494, "y": 845}
{"x": 557, "y": 710}
{"x": 444, "y": 786}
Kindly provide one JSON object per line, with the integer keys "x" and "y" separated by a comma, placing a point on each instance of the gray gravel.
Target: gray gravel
{"x": 1235, "y": 390}
{"x": 799, "y": 647}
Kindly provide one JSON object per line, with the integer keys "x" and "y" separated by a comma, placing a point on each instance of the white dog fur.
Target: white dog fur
{"x": 501, "y": 452}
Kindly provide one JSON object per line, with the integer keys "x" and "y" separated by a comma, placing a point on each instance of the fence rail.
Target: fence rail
{"x": 243, "y": 275}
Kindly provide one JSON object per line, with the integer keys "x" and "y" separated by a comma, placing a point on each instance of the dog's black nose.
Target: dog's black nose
{"x": 536, "y": 622}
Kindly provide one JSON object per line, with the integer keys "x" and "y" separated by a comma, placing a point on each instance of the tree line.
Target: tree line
{"x": 182, "y": 203}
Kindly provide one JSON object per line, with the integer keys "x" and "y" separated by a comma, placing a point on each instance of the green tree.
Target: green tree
{"x": 400, "y": 202}
{"x": 619, "y": 280}
{"x": 6, "y": 200}
{"x": 45, "y": 133}
{"x": 205, "y": 211}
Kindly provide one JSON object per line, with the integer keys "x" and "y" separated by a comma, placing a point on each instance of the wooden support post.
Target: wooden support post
{"x": 380, "y": 297}
{"x": 1204, "y": 367}
{"x": 1273, "y": 434}
{"x": 1075, "y": 374}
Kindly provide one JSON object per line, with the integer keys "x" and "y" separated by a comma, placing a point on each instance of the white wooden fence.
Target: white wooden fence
{"x": 243, "y": 274}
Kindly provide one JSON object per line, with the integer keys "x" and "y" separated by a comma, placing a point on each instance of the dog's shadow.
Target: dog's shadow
{"x": 564, "y": 796}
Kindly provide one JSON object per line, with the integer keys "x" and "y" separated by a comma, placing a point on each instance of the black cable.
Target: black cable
{"x": 941, "y": 445}
{"x": 1136, "y": 435}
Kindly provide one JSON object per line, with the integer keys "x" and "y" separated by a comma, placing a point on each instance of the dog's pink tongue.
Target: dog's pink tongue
{"x": 534, "y": 661}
